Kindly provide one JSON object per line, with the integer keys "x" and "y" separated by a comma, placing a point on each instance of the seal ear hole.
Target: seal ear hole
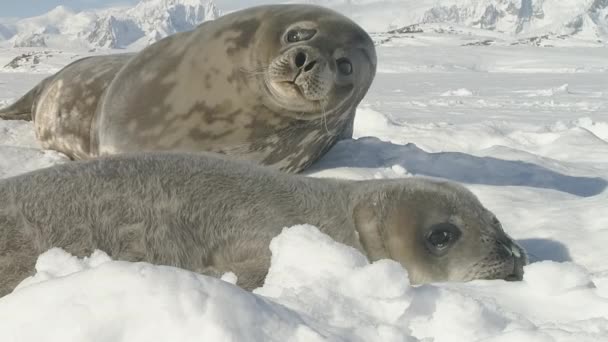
{"x": 441, "y": 236}
{"x": 344, "y": 66}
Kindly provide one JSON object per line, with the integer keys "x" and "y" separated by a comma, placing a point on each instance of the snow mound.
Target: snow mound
{"x": 561, "y": 90}
{"x": 554, "y": 278}
{"x": 560, "y": 141}
{"x": 599, "y": 129}
{"x": 119, "y": 301}
{"x": 96, "y": 299}
{"x": 316, "y": 290}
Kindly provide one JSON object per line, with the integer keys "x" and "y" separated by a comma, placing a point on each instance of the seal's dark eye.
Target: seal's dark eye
{"x": 294, "y": 36}
{"x": 345, "y": 66}
{"x": 441, "y": 236}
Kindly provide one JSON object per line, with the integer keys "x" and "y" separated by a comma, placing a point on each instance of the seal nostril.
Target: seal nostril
{"x": 300, "y": 59}
{"x": 310, "y": 66}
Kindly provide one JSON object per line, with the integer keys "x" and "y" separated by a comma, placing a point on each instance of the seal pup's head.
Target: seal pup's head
{"x": 315, "y": 61}
{"x": 438, "y": 231}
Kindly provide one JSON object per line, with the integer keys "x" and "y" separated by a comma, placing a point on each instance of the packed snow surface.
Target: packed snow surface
{"x": 524, "y": 127}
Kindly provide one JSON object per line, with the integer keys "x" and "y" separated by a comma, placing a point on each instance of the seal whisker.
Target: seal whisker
{"x": 322, "y": 103}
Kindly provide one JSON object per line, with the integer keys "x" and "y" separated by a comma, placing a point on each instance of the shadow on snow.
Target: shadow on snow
{"x": 369, "y": 152}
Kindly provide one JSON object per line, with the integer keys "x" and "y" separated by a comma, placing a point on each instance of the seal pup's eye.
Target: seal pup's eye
{"x": 294, "y": 36}
{"x": 345, "y": 66}
{"x": 441, "y": 236}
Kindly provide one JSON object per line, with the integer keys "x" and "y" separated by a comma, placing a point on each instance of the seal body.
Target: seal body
{"x": 277, "y": 85}
{"x": 67, "y": 103}
{"x": 212, "y": 215}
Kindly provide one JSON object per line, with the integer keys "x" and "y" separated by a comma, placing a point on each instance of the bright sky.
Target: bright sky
{"x": 28, "y": 8}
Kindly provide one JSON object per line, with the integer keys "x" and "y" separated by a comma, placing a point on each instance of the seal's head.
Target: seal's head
{"x": 439, "y": 231}
{"x": 314, "y": 60}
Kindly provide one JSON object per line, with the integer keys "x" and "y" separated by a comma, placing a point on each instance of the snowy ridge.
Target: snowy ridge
{"x": 582, "y": 18}
{"x": 147, "y": 22}
{"x": 5, "y": 32}
{"x": 151, "y": 20}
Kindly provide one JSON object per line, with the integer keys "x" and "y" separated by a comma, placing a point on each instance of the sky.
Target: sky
{"x": 28, "y": 8}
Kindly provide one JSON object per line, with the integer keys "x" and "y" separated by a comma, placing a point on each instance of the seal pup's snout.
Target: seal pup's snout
{"x": 519, "y": 259}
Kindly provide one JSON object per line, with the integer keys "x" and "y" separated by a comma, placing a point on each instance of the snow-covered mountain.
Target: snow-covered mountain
{"x": 586, "y": 19}
{"x": 147, "y": 22}
{"x": 5, "y": 32}
{"x": 151, "y": 20}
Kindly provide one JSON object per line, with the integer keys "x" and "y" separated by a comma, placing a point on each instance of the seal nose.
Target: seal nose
{"x": 519, "y": 260}
{"x": 302, "y": 61}
{"x": 518, "y": 270}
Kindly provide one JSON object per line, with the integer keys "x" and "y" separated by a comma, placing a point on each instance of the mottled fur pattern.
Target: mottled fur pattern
{"x": 215, "y": 88}
{"x": 213, "y": 215}
{"x": 23, "y": 108}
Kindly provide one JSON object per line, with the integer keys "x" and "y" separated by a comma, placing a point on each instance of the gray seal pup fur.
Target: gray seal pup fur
{"x": 276, "y": 84}
{"x": 212, "y": 214}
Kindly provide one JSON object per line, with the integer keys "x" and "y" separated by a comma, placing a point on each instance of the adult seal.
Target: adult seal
{"x": 277, "y": 85}
{"x": 213, "y": 214}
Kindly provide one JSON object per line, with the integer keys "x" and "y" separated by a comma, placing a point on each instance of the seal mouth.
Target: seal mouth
{"x": 290, "y": 95}
{"x": 301, "y": 80}
{"x": 297, "y": 89}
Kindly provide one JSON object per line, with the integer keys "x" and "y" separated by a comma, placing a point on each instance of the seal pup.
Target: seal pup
{"x": 276, "y": 84}
{"x": 212, "y": 214}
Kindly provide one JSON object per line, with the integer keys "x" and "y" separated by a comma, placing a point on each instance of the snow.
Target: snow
{"x": 524, "y": 127}
{"x": 458, "y": 92}
{"x": 335, "y": 296}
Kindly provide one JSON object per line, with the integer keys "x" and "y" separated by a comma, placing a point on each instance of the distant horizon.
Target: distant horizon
{"x": 31, "y": 8}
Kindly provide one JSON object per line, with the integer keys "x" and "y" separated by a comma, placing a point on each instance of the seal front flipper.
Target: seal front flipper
{"x": 250, "y": 273}
{"x": 245, "y": 260}
{"x": 23, "y": 109}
